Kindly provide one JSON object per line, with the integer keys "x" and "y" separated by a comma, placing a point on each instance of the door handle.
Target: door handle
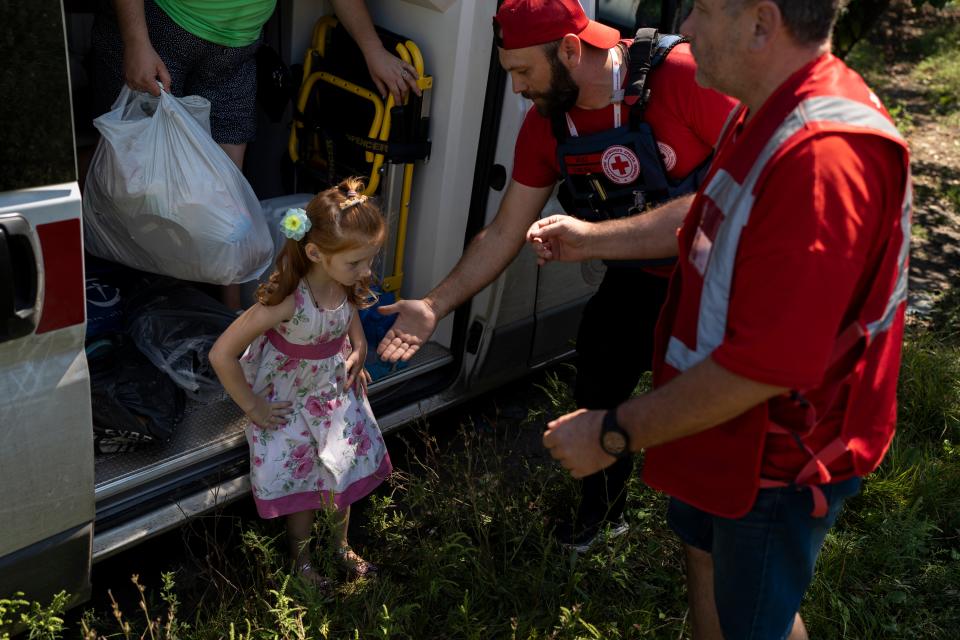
{"x": 18, "y": 279}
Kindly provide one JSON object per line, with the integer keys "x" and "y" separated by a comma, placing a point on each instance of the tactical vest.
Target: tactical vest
{"x": 619, "y": 172}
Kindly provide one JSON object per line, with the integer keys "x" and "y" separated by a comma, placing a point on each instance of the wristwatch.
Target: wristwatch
{"x": 613, "y": 439}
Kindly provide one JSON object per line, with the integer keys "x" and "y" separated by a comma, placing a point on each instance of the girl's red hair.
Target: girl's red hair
{"x": 334, "y": 227}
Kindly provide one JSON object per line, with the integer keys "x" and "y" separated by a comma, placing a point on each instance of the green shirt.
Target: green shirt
{"x": 231, "y": 23}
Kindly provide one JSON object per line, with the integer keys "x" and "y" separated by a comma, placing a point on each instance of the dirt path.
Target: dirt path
{"x": 935, "y": 254}
{"x": 934, "y": 138}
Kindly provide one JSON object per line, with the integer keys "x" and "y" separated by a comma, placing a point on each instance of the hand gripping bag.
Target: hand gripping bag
{"x": 163, "y": 197}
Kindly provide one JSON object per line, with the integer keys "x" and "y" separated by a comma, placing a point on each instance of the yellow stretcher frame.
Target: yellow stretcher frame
{"x": 379, "y": 129}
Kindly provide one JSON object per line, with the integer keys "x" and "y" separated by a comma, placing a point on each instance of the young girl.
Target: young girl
{"x": 314, "y": 442}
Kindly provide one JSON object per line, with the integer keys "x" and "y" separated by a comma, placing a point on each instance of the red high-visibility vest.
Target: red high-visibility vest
{"x": 718, "y": 470}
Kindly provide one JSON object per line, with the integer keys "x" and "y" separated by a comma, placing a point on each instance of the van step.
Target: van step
{"x": 206, "y": 429}
{"x": 430, "y": 357}
{"x": 210, "y": 429}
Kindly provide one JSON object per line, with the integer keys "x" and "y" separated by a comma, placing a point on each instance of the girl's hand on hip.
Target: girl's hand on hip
{"x": 269, "y": 414}
{"x": 357, "y": 376}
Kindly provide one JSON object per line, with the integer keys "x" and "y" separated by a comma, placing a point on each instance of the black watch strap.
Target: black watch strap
{"x": 613, "y": 439}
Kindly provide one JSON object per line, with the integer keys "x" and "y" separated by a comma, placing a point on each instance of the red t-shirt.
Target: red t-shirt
{"x": 806, "y": 261}
{"x": 686, "y": 120}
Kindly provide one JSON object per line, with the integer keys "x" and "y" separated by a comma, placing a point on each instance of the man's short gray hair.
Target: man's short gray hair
{"x": 809, "y": 21}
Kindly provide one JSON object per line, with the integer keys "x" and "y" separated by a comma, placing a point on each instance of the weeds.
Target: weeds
{"x": 39, "y": 622}
{"x": 464, "y": 533}
{"x": 903, "y": 118}
{"x": 939, "y": 68}
{"x": 891, "y": 566}
{"x": 464, "y": 537}
{"x": 163, "y": 627}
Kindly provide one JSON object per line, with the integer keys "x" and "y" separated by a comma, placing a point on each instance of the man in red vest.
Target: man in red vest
{"x": 778, "y": 347}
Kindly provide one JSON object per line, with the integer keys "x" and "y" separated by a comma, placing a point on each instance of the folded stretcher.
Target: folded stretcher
{"x": 343, "y": 128}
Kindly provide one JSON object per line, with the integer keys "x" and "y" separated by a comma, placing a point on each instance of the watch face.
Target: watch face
{"x": 614, "y": 443}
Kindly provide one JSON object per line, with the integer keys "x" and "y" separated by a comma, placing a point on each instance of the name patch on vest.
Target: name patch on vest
{"x": 620, "y": 164}
{"x": 582, "y": 164}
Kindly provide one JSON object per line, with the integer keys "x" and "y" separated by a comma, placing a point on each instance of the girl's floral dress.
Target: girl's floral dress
{"x": 331, "y": 450}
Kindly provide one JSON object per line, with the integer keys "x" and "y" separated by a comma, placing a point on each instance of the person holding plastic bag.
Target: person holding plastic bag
{"x": 162, "y": 197}
{"x": 207, "y": 48}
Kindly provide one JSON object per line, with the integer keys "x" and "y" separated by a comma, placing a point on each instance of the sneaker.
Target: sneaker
{"x": 580, "y": 539}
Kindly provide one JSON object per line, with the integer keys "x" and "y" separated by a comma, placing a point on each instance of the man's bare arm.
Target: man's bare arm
{"x": 701, "y": 398}
{"x": 491, "y": 250}
{"x": 487, "y": 255}
{"x": 648, "y": 236}
{"x": 389, "y": 73}
{"x": 131, "y": 20}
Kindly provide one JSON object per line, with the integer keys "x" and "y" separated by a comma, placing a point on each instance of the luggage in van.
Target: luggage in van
{"x": 163, "y": 197}
{"x": 343, "y": 128}
{"x": 174, "y": 325}
{"x": 134, "y": 403}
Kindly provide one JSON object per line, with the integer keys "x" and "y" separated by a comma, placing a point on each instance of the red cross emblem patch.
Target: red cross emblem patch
{"x": 620, "y": 164}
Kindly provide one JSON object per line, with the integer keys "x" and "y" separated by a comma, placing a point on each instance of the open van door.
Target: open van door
{"x": 46, "y": 438}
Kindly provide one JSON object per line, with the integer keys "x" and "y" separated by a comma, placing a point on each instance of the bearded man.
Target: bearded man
{"x": 625, "y": 127}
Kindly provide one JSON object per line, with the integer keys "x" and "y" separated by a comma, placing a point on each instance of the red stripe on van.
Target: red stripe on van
{"x": 63, "y": 303}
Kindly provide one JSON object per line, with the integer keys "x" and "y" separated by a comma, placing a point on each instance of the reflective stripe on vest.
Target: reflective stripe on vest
{"x": 735, "y": 202}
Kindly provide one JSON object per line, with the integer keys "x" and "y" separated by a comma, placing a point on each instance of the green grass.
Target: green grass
{"x": 869, "y": 60}
{"x": 938, "y": 68}
{"x": 933, "y": 54}
{"x": 940, "y": 74}
{"x": 464, "y": 534}
{"x": 892, "y": 566}
{"x": 952, "y": 194}
{"x": 464, "y": 539}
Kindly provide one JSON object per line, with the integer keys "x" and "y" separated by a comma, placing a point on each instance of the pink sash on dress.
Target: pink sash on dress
{"x": 320, "y": 351}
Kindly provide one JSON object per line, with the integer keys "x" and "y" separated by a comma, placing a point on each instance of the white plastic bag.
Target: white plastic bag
{"x": 163, "y": 197}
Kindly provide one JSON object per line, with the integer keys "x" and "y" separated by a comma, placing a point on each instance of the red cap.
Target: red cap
{"x": 526, "y": 23}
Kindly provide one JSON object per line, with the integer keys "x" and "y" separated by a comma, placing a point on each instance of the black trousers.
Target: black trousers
{"x": 614, "y": 348}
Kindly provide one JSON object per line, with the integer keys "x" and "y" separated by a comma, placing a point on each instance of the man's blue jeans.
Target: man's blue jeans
{"x": 762, "y": 562}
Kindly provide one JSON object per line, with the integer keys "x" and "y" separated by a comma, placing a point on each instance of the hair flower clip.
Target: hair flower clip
{"x": 295, "y": 224}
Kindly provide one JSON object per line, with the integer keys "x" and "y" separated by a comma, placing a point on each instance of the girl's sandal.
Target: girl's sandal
{"x": 354, "y": 565}
{"x": 312, "y": 577}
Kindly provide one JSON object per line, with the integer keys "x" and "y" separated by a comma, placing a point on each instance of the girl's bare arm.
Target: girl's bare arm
{"x": 254, "y": 322}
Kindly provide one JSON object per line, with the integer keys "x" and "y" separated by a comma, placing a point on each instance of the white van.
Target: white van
{"x": 62, "y": 507}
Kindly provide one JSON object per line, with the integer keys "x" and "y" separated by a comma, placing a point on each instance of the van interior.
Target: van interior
{"x": 439, "y": 171}
{"x": 285, "y": 165}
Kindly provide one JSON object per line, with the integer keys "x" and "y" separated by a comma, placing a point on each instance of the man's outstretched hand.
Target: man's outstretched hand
{"x": 559, "y": 238}
{"x": 414, "y": 325}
